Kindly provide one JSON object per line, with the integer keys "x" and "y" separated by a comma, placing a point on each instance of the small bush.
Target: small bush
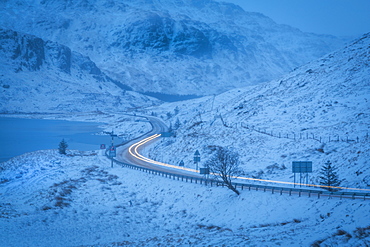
{"x": 63, "y": 147}
{"x": 317, "y": 243}
{"x": 340, "y": 232}
{"x": 362, "y": 232}
{"x": 46, "y": 208}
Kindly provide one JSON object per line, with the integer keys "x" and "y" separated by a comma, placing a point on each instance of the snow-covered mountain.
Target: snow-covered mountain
{"x": 319, "y": 112}
{"x": 41, "y": 76}
{"x": 45, "y": 197}
{"x": 199, "y": 47}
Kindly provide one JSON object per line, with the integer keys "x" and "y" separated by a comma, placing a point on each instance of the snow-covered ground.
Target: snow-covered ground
{"x": 319, "y": 112}
{"x": 47, "y": 199}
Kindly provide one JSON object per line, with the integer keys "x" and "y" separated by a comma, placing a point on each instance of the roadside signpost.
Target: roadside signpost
{"x": 112, "y": 149}
{"x": 301, "y": 167}
{"x": 204, "y": 171}
{"x": 166, "y": 134}
{"x": 112, "y": 153}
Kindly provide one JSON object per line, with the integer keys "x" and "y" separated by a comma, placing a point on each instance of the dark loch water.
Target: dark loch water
{"x": 18, "y": 135}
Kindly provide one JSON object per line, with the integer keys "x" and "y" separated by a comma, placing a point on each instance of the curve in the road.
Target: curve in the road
{"x": 131, "y": 154}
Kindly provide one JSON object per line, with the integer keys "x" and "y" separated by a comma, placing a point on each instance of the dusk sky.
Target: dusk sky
{"x": 336, "y": 17}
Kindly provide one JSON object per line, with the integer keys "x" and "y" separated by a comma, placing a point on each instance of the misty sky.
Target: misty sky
{"x": 336, "y": 17}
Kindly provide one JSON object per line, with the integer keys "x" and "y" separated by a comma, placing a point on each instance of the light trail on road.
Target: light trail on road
{"x": 133, "y": 150}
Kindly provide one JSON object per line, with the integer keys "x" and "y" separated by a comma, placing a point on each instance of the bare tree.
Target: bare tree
{"x": 225, "y": 164}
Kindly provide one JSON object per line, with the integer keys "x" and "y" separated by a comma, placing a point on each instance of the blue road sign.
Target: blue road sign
{"x": 112, "y": 151}
{"x": 302, "y": 166}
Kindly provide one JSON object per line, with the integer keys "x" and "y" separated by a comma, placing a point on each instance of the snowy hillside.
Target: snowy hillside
{"x": 173, "y": 47}
{"x": 47, "y": 199}
{"x": 42, "y": 76}
{"x": 319, "y": 112}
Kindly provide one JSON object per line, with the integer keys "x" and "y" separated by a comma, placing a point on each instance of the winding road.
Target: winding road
{"x": 129, "y": 153}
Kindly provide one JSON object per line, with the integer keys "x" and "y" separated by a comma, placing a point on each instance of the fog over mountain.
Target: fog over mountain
{"x": 174, "y": 47}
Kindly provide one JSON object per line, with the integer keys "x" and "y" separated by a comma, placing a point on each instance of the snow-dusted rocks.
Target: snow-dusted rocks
{"x": 44, "y": 76}
{"x": 172, "y": 47}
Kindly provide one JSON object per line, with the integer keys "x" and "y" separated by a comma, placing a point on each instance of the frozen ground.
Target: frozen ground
{"x": 47, "y": 199}
{"x": 320, "y": 112}
{"x": 51, "y": 200}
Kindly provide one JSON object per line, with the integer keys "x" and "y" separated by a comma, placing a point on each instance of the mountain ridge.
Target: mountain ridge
{"x": 172, "y": 47}
{"x": 44, "y": 76}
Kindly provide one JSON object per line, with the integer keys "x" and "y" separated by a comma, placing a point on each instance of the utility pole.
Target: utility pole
{"x": 196, "y": 159}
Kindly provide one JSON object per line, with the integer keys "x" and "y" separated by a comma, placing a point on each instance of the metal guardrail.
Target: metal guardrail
{"x": 244, "y": 186}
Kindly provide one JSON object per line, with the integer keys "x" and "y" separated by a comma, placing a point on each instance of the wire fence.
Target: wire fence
{"x": 310, "y": 136}
{"x": 243, "y": 186}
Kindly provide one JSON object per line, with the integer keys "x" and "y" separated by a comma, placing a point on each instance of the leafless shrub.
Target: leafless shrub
{"x": 225, "y": 164}
{"x": 362, "y": 232}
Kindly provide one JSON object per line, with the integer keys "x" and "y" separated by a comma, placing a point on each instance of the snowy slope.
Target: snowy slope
{"x": 46, "y": 198}
{"x": 51, "y": 200}
{"x": 43, "y": 76}
{"x": 319, "y": 112}
{"x": 174, "y": 47}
